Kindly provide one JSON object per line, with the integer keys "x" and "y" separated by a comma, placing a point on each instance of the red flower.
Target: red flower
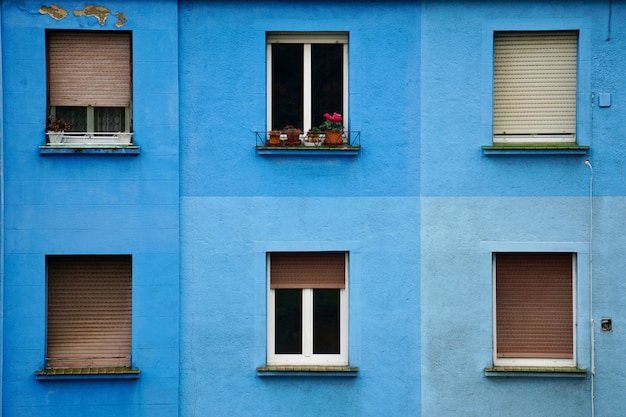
{"x": 336, "y": 117}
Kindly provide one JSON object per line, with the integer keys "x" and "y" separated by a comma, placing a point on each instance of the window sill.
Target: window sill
{"x": 87, "y": 373}
{"x": 535, "y": 372}
{"x": 306, "y": 370}
{"x": 345, "y": 150}
{"x": 88, "y": 149}
{"x": 535, "y": 149}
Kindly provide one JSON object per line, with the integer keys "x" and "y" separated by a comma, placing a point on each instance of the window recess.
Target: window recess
{"x": 534, "y": 87}
{"x": 89, "y": 88}
{"x": 307, "y": 309}
{"x": 89, "y": 313}
{"x": 534, "y": 309}
{"x": 307, "y": 76}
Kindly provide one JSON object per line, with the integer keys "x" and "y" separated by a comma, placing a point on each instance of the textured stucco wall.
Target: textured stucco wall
{"x": 472, "y": 203}
{"x": 91, "y": 204}
{"x": 236, "y": 205}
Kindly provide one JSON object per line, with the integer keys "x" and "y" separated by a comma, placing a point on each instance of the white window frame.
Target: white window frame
{"x": 307, "y": 39}
{"x": 91, "y": 118}
{"x": 308, "y": 357}
{"x": 536, "y": 362}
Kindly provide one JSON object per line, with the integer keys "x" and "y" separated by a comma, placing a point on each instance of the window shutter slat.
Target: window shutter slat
{"x": 307, "y": 270}
{"x": 89, "y": 69}
{"x": 534, "y": 85}
{"x": 89, "y": 311}
{"x": 534, "y": 305}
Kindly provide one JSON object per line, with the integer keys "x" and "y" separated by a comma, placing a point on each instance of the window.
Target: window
{"x": 89, "y": 311}
{"x": 307, "y": 308}
{"x": 534, "y": 86}
{"x": 534, "y": 309}
{"x": 90, "y": 84}
{"x": 306, "y": 78}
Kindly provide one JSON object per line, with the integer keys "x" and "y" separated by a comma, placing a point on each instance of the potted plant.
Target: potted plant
{"x": 313, "y": 137}
{"x": 293, "y": 135}
{"x": 333, "y": 128}
{"x": 273, "y": 138}
{"x": 55, "y": 129}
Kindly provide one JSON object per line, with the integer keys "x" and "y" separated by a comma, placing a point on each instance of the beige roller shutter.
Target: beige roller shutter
{"x": 534, "y": 305}
{"x": 307, "y": 270}
{"x": 534, "y": 85}
{"x": 89, "y": 311}
{"x": 89, "y": 69}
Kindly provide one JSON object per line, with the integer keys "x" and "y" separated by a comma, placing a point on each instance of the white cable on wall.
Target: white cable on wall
{"x": 591, "y": 321}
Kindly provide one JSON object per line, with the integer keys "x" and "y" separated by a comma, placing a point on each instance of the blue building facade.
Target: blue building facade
{"x": 92, "y": 202}
{"x": 480, "y": 199}
{"x": 424, "y": 216}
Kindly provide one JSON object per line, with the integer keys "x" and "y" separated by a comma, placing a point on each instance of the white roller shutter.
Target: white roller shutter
{"x": 534, "y": 86}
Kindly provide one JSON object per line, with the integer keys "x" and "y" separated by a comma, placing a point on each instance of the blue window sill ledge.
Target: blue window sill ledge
{"x": 89, "y": 149}
{"x": 295, "y": 370}
{"x": 536, "y": 149}
{"x": 87, "y": 373}
{"x": 535, "y": 372}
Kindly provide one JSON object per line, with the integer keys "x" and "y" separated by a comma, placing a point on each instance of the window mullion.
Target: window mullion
{"x": 307, "y": 322}
{"x": 307, "y": 88}
{"x": 90, "y": 119}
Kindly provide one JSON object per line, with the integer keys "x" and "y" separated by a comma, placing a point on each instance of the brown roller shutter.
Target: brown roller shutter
{"x": 534, "y": 305}
{"x": 307, "y": 270}
{"x": 89, "y": 311}
{"x": 89, "y": 69}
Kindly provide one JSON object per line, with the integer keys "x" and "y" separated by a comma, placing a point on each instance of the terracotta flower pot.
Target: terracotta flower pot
{"x": 274, "y": 138}
{"x": 313, "y": 137}
{"x": 333, "y": 138}
{"x": 293, "y": 137}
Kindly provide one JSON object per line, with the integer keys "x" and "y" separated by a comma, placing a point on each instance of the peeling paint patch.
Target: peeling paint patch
{"x": 99, "y": 12}
{"x": 121, "y": 19}
{"x": 53, "y": 11}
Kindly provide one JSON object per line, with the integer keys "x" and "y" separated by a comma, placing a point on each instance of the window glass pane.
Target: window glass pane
{"x": 326, "y": 81}
{"x": 109, "y": 119}
{"x": 326, "y": 321}
{"x": 287, "y": 85}
{"x": 76, "y": 116}
{"x": 288, "y": 324}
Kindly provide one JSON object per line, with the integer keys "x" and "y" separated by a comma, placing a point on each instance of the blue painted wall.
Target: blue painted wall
{"x": 91, "y": 204}
{"x": 473, "y": 205}
{"x": 420, "y": 209}
{"x": 237, "y": 205}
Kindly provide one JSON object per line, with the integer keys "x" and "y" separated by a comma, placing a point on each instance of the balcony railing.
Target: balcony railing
{"x": 350, "y": 145}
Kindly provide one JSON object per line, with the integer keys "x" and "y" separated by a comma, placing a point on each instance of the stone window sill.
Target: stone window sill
{"x": 535, "y": 149}
{"x": 88, "y": 149}
{"x": 535, "y": 372}
{"x": 306, "y": 370}
{"x": 87, "y": 373}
